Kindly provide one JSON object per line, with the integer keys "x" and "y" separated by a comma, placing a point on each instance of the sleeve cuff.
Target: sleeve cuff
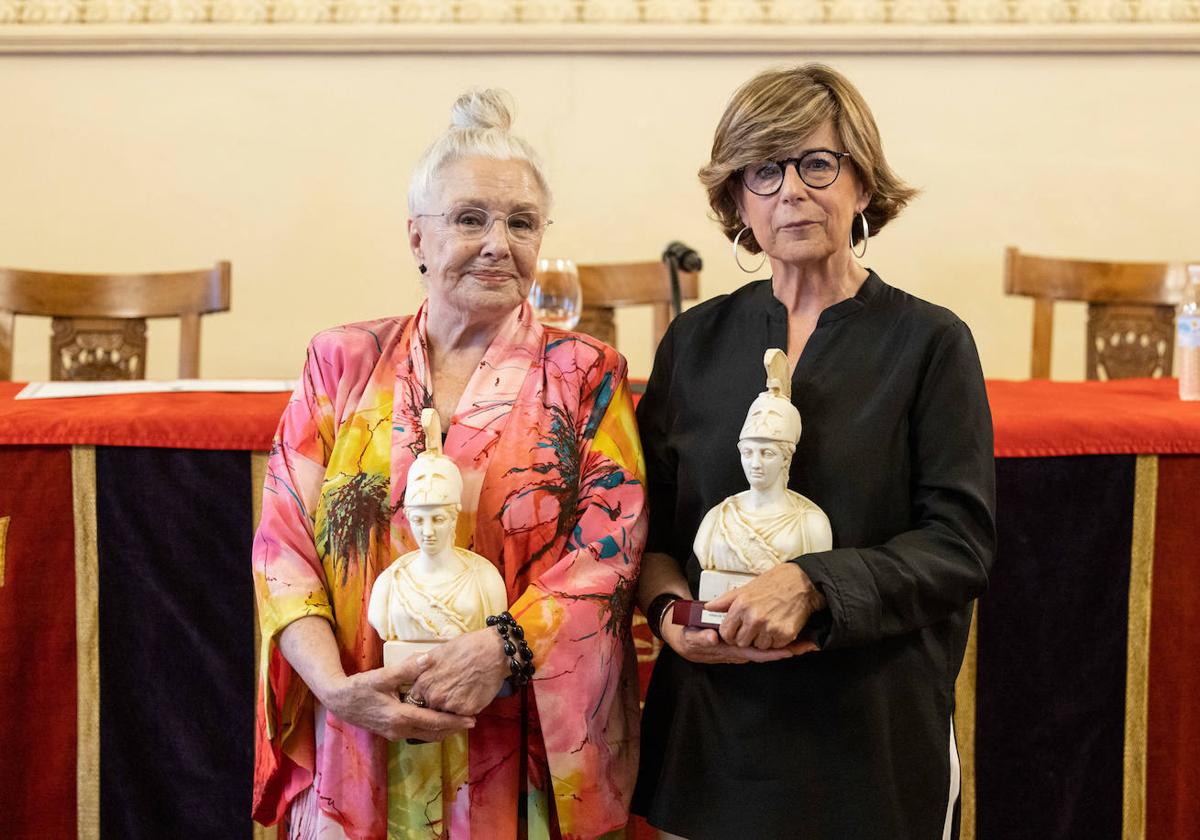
{"x": 830, "y": 627}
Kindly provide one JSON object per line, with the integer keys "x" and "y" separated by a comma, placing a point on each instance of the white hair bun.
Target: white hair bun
{"x": 483, "y": 109}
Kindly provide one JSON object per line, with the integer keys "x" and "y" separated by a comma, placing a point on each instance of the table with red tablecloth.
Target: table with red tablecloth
{"x": 127, "y": 632}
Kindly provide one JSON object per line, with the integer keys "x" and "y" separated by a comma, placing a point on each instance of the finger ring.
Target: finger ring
{"x": 414, "y": 700}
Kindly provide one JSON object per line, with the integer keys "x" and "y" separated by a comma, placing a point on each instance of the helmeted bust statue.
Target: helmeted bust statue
{"x": 753, "y": 531}
{"x": 438, "y": 591}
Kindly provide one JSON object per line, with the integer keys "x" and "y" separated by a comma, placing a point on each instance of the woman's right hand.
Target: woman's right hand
{"x": 371, "y": 700}
{"x": 706, "y": 647}
{"x": 368, "y": 699}
{"x": 662, "y": 575}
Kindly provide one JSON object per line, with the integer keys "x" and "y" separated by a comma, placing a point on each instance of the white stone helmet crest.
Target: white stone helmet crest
{"x": 772, "y": 415}
{"x": 433, "y": 478}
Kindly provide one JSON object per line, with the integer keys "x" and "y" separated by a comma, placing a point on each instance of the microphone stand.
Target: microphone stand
{"x": 676, "y": 295}
{"x": 679, "y": 257}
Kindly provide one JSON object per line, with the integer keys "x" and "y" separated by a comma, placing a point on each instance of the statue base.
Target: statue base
{"x": 396, "y": 652}
{"x": 714, "y": 583}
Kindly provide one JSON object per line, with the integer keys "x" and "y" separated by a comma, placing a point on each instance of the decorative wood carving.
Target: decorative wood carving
{"x": 93, "y": 349}
{"x": 1129, "y": 341}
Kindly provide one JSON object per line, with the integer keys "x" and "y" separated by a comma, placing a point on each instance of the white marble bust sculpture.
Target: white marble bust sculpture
{"x": 751, "y": 532}
{"x": 438, "y": 591}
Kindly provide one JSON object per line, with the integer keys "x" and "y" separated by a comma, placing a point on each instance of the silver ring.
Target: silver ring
{"x": 414, "y": 700}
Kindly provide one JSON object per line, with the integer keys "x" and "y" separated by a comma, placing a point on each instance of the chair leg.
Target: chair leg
{"x": 1043, "y": 332}
{"x": 7, "y": 319}
{"x": 189, "y": 346}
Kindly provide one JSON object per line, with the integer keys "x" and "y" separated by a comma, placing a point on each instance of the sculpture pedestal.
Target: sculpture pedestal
{"x": 714, "y": 583}
{"x": 396, "y": 652}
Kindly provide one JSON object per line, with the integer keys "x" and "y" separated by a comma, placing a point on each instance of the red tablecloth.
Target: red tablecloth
{"x": 1060, "y": 687}
{"x": 1031, "y": 419}
{"x": 1040, "y": 418}
{"x": 194, "y": 420}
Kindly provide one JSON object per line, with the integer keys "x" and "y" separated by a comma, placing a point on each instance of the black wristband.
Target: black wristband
{"x": 657, "y": 611}
{"x": 515, "y": 647}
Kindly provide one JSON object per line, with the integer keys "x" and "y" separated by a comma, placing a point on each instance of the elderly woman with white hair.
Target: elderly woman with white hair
{"x": 540, "y": 423}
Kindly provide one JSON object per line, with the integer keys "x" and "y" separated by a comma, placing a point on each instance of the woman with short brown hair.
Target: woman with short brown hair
{"x": 822, "y": 709}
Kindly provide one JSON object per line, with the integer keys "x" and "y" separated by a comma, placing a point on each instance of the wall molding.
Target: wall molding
{"x": 600, "y": 26}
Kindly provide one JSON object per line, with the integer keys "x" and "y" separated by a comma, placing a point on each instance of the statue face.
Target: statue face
{"x": 432, "y": 526}
{"x": 763, "y": 462}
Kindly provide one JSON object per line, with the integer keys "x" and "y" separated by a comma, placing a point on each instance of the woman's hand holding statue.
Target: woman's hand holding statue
{"x": 368, "y": 699}
{"x": 463, "y": 674}
{"x": 371, "y": 700}
{"x": 768, "y": 613}
{"x": 706, "y": 647}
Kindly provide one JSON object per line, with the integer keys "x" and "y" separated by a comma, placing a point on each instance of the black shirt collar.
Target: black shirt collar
{"x": 765, "y": 296}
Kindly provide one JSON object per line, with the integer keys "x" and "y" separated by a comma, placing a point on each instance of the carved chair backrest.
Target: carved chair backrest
{"x": 609, "y": 286}
{"x": 98, "y": 321}
{"x": 1131, "y": 310}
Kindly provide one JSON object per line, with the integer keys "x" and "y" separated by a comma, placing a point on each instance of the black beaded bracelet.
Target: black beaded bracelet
{"x": 657, "y": 611}
{"x": 515, "y": 646}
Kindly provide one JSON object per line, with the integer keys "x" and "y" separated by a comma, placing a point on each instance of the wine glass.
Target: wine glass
{"x": 556, "y": 297}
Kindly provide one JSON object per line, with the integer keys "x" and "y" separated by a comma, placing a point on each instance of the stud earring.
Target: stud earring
{"x": 421, "y": 268}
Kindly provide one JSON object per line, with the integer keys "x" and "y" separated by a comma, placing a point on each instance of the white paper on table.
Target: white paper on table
{"x": 57, "y": 390}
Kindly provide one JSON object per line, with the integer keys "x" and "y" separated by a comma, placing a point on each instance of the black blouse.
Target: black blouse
{"x": 896, "y": 448}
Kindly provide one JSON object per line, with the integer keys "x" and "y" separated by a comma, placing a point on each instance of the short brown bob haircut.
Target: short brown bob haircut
{"x": 770, "y": 114}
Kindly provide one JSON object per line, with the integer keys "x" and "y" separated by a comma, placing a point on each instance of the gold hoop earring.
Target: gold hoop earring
{"x": 736, "y": 259}
{"x": 866, "y": 236}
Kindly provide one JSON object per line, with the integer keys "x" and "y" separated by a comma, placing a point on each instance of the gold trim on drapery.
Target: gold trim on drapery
{"x": 964, "y": 729}
{"x": 258, "y": 474}
{"x": 87, "y": 642}
{"x": 1137, "y": 654}
{"x": 3, "y": 538}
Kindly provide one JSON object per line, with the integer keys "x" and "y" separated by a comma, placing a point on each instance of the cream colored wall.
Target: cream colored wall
{"x": 295, "y": 168}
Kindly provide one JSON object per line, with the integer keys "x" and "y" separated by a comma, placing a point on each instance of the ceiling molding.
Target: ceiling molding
{"x": 600, "y": 39}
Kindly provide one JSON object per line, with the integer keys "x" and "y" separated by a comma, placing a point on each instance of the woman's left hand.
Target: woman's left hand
{"x": 464, "y": 674}
{"x": 769, "y": 611}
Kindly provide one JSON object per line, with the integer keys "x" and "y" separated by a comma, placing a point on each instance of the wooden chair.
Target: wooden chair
{"x": 99, "y": 320}
{"x": 1131, "y": 311}
{"x": 608, "y": 286}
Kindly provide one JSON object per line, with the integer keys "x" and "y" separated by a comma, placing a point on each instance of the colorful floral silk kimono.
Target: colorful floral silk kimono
{"x": 552, "y": 468}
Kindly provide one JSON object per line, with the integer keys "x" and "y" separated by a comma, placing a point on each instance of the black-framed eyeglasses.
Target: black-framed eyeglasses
{"x": 524, "y": 226}
{"x": 818, "y": 168}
